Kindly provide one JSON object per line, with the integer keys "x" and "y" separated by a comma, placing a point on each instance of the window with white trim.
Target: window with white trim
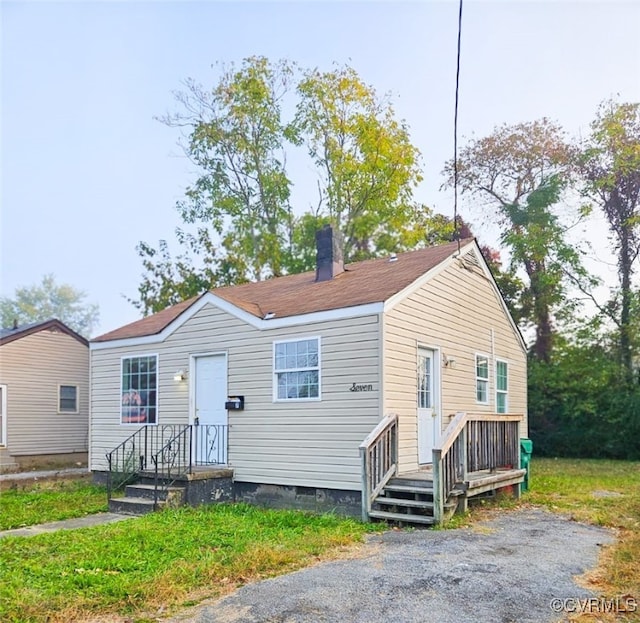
{"x": 482, "y": 379}
{"x": 296, "y": 368}
{"x": 139, "y": 396}
{"x": 67, "y": 399}
{"x": 502, "y": 386}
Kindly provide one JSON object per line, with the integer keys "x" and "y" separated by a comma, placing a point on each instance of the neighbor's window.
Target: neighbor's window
{"x": 502, "y": 386}
{"x": 139, "y": 400}
{"x": 482, "y": 379}
{"x": 68, "y": 399}
{"x": 296, "y": 369}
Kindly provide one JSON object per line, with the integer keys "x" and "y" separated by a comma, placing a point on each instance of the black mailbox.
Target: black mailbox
{"x": 234, "y": 403}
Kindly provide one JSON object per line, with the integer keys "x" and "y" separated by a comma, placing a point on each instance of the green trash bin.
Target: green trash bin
{"x": 526, "y": 450}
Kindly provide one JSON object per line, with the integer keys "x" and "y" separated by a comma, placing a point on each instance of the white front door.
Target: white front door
{"x": 210, "y": 414}
{"x": 3, "y": 415}
{"x": 428, "y": 405}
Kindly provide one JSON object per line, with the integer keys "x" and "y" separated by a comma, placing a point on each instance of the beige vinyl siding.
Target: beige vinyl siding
{"x": 307, "y": 443}
{"x": 458, "y": 313}
{"x": 33, "y": 367}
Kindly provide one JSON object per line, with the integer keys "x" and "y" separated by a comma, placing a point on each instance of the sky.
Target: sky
{"x": 87, "y": 170}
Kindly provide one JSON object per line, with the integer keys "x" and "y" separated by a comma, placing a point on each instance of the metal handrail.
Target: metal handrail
{"x": 126, "y": 451}
{"x": 174, "y": 448}
{"x": 133, "y": 455}
{"x": 176, "y": 453}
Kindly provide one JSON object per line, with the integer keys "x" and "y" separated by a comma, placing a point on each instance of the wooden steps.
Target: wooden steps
{"x": 403, "y": 518}
{"x": 408, "y": 499}
{"x": 405, "y": 500}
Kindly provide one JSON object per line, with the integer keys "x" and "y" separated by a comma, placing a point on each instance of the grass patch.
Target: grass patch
{"x": 50, "y": 501}
{"x": 604, "y": 493}
{"x": 159, "y": 561}
{"x": 600, "y": 492}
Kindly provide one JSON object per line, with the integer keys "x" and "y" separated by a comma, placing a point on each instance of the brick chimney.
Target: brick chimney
{"x": 329, "y": 256}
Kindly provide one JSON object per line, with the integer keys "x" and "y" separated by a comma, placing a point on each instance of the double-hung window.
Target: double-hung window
{"x": 296, "y": 369}
{"x": 502, "y": 386}
{"x": 482, "y": 379}
{"x": 139, "y": 394}
{"x": 67, "y": 399}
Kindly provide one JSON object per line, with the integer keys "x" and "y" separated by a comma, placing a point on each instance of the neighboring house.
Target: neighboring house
{"x": 44, "y": 395}
{"x": 293, "y": 373}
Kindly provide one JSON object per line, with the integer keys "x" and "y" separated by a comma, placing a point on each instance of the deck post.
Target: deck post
{"x": 462, "y": 502}
{"x": 438, "y": 488}
{"x": 366, "y": 494}
{"x": 463, "y": 454}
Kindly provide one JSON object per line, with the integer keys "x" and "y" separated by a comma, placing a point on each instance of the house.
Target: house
{"x": 282, "y": 381}
{"x": 44, "y": 395}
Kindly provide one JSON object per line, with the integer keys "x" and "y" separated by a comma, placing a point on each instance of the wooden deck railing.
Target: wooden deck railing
{"x": 379, "y": 455}
{"x": 473, "y": 442}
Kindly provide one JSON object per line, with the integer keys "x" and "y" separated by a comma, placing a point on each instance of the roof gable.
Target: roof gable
{"x": 362, "y": 284}
{"x": 10, "y": 335}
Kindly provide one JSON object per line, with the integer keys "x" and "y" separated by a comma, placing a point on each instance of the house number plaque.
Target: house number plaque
{"x": 359, "y": 387}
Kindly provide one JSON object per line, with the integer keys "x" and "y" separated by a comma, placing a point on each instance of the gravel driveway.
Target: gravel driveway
{"x": 507, "y": 569}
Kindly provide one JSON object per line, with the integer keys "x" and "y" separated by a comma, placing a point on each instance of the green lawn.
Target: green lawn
{"x": 165, "y": 559}
{"x": 50, "y": 501}
{"x": 177, "y": 557}
{"x": 601, "y": 492}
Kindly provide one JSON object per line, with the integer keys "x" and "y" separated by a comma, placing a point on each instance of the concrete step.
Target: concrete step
{"x": 174, "y": 495}
{"x": 132, "y": 506}
{"x": 147, "y": 478}
{"x": 402, "y": 517}
{"x": 403, "y": 502}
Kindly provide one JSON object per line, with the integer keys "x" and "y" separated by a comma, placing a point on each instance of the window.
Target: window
{"x": 482, "y": 379}
{"x": 425, "y": 381}
{"x": 68, "y": 399}
{"x": 502, "y": 386}
{"x": 296, "y": 369}
{"x": 139, "y": 403}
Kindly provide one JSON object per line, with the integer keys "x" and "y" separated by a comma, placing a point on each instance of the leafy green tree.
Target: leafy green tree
{"x": 366, "y": 164}
{"x": 577, "y": 406}
{"x": 236, "y": 216}
{"x": 610, "y": 168}
{"x": 168, "y": 280}
{"x": 422, "y": 227}
{"x": 521, "y": 171}
{"x": 237, "y": 222}
{"x": 47, "y": 300}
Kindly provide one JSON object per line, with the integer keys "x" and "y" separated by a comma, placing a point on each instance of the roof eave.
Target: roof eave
{"x": 44, "y": 326}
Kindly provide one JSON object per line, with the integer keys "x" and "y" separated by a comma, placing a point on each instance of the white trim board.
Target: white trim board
{"x": 397, "y": 298}
{"x": 259, "y": 323}
{"x": 354, "y": 311}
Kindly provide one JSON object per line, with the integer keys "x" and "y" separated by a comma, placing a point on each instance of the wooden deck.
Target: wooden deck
{"x": 476, "y": 482}
{"x": 476, "y": 454}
